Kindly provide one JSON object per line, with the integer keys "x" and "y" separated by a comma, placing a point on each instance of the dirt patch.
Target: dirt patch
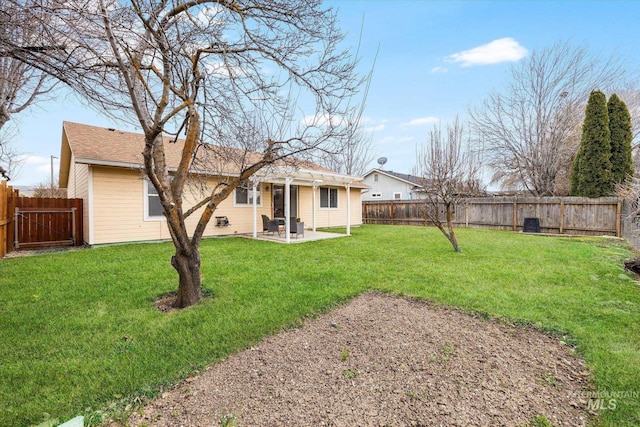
{"x": 42, "y": 251}
{"x": 165, "y": 303}
{"x": 381, "y": 360}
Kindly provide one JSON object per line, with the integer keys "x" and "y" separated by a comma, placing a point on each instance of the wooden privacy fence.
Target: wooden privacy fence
{"x": 34, "y": 222}
{"x": 561, "y": 215}
{"x": 6, "y": 218}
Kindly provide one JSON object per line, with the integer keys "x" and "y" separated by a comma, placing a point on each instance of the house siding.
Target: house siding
{"x": 78, "y": 188}
{"x": 387, "y": 186}
{"x": 329, "y": 217}
{"x": 119, "y": 210}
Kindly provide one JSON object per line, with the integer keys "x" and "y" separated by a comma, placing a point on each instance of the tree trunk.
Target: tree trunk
{"x": 188, "y": 268}
{"x": 453, "y": 239}
{"x": 452, "y": 235}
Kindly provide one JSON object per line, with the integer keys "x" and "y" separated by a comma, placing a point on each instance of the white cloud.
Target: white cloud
{"x": 209, "y": 15}
{"x": 422, "y": 121}
{"x": 438, "y": 70}
{"x": 376, "y": 128}
{"x": 371, "y": 125}
{"x": 322, "y": 120}
{"x": 501, "y": 50}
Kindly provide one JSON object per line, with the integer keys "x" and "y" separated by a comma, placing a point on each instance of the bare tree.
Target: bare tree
{"x": 531, "y": 131}
{"x": 226, "y": 76}
{"x": 630, "y": 95}
{"x": 48, "y": 189}
{"x": 21, "y": 85}
{"x": 11, "y": 160}
{"x": 449, "y": 171}
{"x": 354, "y": 157}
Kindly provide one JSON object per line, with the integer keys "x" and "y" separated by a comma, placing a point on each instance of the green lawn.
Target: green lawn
{"x": 79, "y": 333}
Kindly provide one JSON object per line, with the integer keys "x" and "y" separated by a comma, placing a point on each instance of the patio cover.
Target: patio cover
{"x": 289, "y": 175}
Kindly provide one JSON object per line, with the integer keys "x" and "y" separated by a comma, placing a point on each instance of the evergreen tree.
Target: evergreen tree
{"x": 591, "y": 175}
{"x": 621, "y": 136}
{"x": 575, "y": 173}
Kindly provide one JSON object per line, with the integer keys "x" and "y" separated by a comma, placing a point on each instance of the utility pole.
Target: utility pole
{"x": 52, "y": 157}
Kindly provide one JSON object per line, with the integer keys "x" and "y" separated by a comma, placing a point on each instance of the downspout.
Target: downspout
{"x": 348, "y": 187}
{"x": 90, "y": 204}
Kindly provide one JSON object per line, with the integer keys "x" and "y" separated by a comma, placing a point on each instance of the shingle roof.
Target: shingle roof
{"x": 411, "y": 179}
{"x": 407, "y": 177}
{"x": 112, "y": 147}
{"x": 98, "y": 145}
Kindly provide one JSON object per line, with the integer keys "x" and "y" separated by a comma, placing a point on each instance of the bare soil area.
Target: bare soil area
{"x": 385, "y": 361}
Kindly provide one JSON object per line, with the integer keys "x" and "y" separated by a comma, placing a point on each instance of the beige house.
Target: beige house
{"x": 104, "y": 168}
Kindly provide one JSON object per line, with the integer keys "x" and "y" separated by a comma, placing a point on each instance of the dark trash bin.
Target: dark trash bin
{"x": 531, "y": 225}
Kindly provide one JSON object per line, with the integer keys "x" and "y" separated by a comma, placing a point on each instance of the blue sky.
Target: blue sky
{"x": 436, "y": 59}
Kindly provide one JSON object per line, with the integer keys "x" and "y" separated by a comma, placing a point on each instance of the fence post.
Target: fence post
{"x": 391, "y": 205}
{"x": 466, "y": 214}
{"x": 73, "y": 226}
{"x": 5, "y": 213}
{"x": 515, "y": 215}
{"x": 619, "y": 219}
{"x": 561, "y": 215}
{"x": 16, "y": 244}
{"x": 11, "y": 231}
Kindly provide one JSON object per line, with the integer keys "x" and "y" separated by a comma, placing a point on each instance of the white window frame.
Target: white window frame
{"x": 249, "y": 187}
{"x": 146, "y": 183}
{"x": 329, "y": 190}
{"x": 397, "y": 195}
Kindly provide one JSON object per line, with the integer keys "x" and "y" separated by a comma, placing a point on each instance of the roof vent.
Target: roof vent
{"x": 111, "y": 129}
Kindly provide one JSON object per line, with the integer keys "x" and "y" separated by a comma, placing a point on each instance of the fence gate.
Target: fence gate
{"x": 45, "y": 222}
{"x": 43, "y": 227}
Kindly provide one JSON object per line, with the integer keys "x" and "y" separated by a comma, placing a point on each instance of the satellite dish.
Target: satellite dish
{"x": 382, "y": 161}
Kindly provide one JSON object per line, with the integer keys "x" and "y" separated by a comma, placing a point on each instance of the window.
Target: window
{"x": 328, "y": 198}
{"x": 376, "y": 195}
{"x": 153, "y": 207}
{"x": 397, "y": 196}
{"x": 375, "y": 177}
{"x": 244, "y": 195}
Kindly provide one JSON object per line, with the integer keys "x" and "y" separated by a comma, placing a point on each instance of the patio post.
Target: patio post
{"x": 287, "y": 209}
{"x": 313, "y": 205}
{"x": 255, "y": 211}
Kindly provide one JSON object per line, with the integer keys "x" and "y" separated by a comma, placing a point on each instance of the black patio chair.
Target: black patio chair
{"x": 270, "y": 225}
{"x": 296, "y": 227}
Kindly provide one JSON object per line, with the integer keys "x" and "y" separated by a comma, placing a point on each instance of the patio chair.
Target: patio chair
{"x": 270, "y": 225}
{"x": 296, "y": 227}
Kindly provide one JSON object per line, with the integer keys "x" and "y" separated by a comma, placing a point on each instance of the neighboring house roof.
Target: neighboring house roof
{"x": 406, "y": 178}
{"x": 110, "y": 147}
